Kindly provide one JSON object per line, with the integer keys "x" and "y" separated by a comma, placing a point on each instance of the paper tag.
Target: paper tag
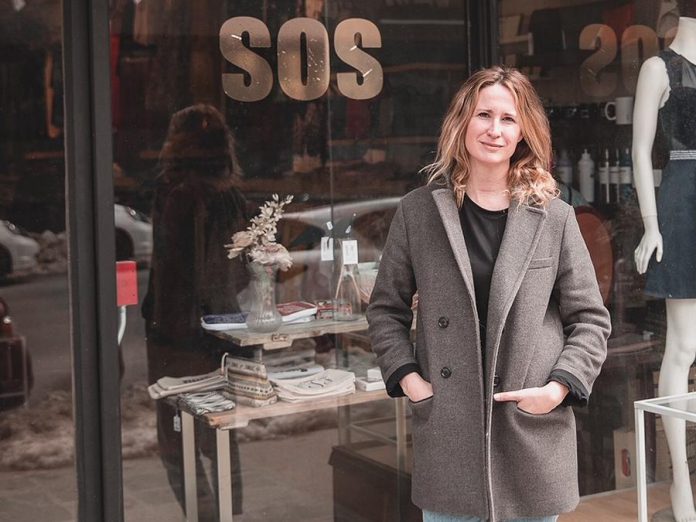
{"x": 350, "y": 252}
{"x": 327, "y": 249}
{"x": 177, "y": 423}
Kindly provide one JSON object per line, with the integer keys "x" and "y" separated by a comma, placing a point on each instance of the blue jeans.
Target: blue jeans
{"x": 430, "y": 516}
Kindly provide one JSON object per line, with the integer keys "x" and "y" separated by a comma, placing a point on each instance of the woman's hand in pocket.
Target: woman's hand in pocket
{"x": 415, "y": 387}
{"x": 536, "y": 401}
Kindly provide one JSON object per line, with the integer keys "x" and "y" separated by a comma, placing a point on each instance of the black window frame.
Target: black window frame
{"x": 91, "y": 254}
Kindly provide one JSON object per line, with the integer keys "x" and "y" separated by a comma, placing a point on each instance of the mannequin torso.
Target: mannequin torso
{"x": 666, "y": 89}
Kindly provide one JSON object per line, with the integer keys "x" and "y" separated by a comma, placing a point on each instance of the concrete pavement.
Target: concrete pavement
{"x": 286, "y": 479}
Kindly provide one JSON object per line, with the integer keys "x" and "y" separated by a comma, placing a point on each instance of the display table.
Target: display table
{"x": 241, "y": 415}
{"x": 677, "y": 406}
{"x": 238, "y": 418}
{"x": 283, "y": 337}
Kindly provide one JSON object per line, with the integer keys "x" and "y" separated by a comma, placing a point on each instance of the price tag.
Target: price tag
{"x": 327, "y": 249}
{"x": 350, "y": 252}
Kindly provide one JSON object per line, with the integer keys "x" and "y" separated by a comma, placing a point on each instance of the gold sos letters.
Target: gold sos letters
{"x": 350, "y": 37}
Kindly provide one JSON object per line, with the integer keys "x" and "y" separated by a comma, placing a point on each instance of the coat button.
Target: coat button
{"x": 443, "y": 322}
{"x": 496, "y": 381}
{"x": 445, "y": 372}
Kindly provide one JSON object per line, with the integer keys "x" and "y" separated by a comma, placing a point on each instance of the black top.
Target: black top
{"x": 677, "y": 115}
{"x": 483, "y": 233}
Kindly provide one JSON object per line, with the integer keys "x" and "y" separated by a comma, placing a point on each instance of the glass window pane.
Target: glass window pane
{"x": 584, "y": 59}
{"x": 337, "y": 104}
{"x": 37, "y": 474}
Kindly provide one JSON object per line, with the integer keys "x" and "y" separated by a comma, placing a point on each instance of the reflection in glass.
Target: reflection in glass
{"x": 336, "y": 103}
{"x": 583, "y": 59}
{"x": 37, "y": 473}
{"x": 196, "y": 209}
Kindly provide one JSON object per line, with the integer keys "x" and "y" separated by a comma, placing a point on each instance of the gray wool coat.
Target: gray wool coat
{"x": 473, "y": 456}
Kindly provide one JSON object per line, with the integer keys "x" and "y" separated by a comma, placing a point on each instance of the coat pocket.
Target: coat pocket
{"x": 540, "y": 262}
{"x": 534, "y": 421}
{"x": 536, "y": 415}
{"x": 422, "y": 409}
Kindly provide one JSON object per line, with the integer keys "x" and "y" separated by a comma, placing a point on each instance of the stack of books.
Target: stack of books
{"x": 167, "y": 386}
{"x": 247, "y": 383}
{"x": 297, "y": 312}
{"x": 292, "y": 312}
{"x": 325, "y": 384}
{"x": 222, "y": 322}
{"x": 291, "y": 364}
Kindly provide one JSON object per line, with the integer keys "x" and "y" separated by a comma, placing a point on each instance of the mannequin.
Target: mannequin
{"x": 667, "y": 226}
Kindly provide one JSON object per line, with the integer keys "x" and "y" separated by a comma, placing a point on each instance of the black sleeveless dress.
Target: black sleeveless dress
{"x": 675, "y": 276}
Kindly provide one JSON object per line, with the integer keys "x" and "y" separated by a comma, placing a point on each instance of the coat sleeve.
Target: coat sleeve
{"x": 389, "y": 313}
{"x": 586, "y": 321}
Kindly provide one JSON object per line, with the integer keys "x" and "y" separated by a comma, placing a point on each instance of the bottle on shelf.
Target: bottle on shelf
{"x": 614, "y": 179}
{"x": 603, "y": 174}
{"x": 564, "y": 168}
{"x": 347, "y": 301}
{"x": 347, "y": 305}
{"x": 586, "y": 176}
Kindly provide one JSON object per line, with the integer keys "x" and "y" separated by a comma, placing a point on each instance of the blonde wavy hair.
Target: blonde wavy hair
{"x": 529, "y": 179}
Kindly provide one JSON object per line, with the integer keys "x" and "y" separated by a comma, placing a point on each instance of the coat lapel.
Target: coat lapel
{"x": 524, "y": 224}
{"x": 522, "y": 232}
{"x": 447, "y": 206}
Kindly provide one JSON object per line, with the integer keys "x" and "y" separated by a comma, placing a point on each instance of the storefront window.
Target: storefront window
{"x": 217, "y": 106}
{"x": 584, "y": 59}
{"x": 37, "y": 473}
{"x": 336, "y": 103}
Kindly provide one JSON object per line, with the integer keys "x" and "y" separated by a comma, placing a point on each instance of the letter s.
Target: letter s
{"x": 369, "y": 68}
{"x": 237, "y": 54}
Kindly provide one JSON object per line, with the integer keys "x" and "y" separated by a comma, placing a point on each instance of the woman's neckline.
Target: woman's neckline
{"x": 485, "y": 210}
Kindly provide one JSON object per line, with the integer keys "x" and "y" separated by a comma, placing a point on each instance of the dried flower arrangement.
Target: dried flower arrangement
{"x": 258, "y": 241}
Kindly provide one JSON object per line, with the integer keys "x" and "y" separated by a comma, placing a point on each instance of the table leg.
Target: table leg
{"x": 400, "y": 434}
{"x": 640, "y": 458}
{"x": 224, "y": 475}
{"x": 188, "y": 442}
{"x": 344, "y": 425}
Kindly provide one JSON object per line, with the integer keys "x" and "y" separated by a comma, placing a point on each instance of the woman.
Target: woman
{"x": 510, "y": 324}
{"x": 196, "y": 210}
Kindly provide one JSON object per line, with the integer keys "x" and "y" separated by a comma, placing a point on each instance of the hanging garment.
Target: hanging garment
{"x": 675, "y": 276}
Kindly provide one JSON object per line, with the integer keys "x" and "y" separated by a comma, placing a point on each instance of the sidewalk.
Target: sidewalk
{"x": 287, "y": 479}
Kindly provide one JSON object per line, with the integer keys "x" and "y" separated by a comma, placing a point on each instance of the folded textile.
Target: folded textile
{"x": 200, "y": 403}
{"x": 328, "y": 383}
{"x": 248, "y": 401}
{"x": 239, "y": 366}
{"x": 166, "y": 386}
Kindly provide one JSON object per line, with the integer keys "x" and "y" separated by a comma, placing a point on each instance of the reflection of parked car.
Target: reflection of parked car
{"x": 133, "y": 235}
{"x": 309, "y": 278}
{"x": 17, "y": 250}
